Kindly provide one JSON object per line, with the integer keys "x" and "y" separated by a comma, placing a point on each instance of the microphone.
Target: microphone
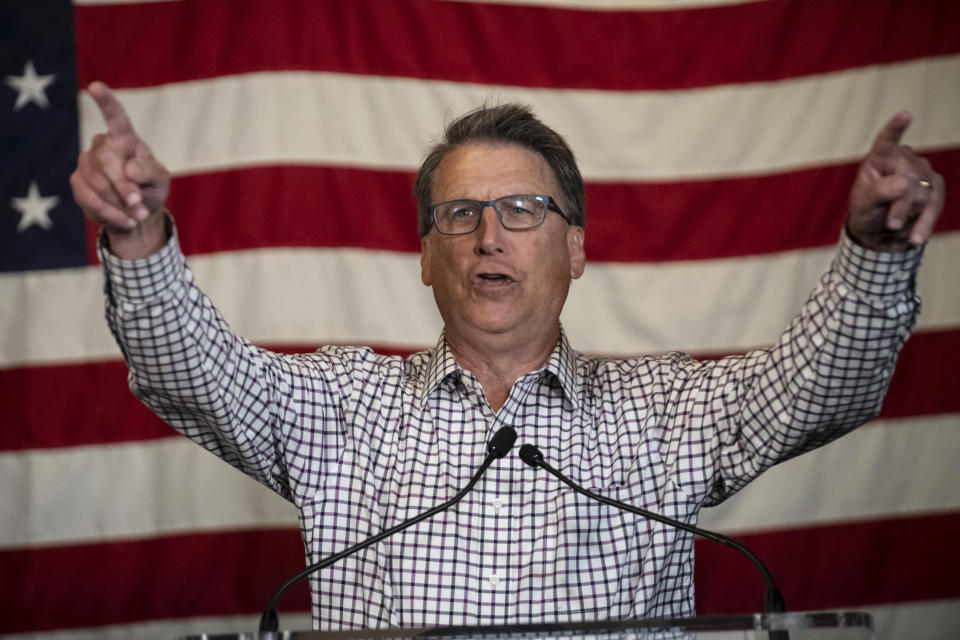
{"x": 500, "y": 444}
{"x": 773, "y": 600}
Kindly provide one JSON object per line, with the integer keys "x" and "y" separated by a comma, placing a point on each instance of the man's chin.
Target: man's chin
{"x": 492, "y": 320}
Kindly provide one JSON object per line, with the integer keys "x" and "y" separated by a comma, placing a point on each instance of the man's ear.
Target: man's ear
{"x": 578, "y": 257}
{"x": 425, "y": 261}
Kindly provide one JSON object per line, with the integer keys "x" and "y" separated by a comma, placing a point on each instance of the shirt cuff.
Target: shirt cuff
{"x": 877, "y": 273}
{"x": 141, "y": 280}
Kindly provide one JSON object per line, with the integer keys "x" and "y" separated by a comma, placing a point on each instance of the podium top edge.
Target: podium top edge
{"x": 745, "y": 622}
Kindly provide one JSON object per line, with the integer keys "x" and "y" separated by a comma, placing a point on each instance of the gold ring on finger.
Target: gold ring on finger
{"x": 925, "y": 184}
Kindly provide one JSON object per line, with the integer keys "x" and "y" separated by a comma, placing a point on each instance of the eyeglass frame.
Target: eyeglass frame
{"x": 483, "y": 204}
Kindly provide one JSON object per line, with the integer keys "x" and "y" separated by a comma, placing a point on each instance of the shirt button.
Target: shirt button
{"x": 493, "y": 578}
{"x": 496, "y": 503}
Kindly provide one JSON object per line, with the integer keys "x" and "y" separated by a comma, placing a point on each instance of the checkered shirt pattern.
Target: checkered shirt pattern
{"x": 360, "y": 442}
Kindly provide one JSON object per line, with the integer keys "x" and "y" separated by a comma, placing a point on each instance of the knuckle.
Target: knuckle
{"x": 101, "y": 154}
{"x": 99, "y": 182}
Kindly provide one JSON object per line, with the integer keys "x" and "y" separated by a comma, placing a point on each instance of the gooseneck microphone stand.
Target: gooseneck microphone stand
{"x": 773, "y": 600}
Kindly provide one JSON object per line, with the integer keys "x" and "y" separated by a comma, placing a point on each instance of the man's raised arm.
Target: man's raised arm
{"x": 120, "y": 185}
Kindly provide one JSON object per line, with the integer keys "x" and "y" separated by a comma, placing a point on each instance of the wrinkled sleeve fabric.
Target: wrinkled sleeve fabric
{"x": 826, "y": 375}
{"x": 236, "y": 400}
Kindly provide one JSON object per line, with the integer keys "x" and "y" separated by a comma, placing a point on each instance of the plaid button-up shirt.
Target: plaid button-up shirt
{"x": 360, "y": 442}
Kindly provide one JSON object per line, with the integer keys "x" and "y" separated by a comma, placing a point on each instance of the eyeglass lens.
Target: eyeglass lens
{"x": 515, "y": 212}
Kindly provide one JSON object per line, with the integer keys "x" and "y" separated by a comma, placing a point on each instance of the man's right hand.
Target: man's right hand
{"x": 120, "y": 185}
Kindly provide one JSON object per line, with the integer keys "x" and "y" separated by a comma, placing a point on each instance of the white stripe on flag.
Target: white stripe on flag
{"x": 196, "y": 492}
{"x": 277, "y": 296}
{"x": 841, "y": 481}
{"x": 190, "y": 491}
{"x": 386, "y": 123}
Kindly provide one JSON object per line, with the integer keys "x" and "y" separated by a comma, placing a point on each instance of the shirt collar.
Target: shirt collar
{"x": 442, "y": 364}
{"x": 562, "y": 364}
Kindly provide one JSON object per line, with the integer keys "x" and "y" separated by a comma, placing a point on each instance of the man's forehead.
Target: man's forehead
{"x": 487, "y": 170}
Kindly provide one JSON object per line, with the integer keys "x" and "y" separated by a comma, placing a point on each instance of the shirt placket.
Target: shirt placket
{"x": 496, "y": 548}
{"x": 500, "y": 545}
{"x": 486, "y": 578}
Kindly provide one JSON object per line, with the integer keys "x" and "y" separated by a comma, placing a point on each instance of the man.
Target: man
{"x": 360, "y": 442}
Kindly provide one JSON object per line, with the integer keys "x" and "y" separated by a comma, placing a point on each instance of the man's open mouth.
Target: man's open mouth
{"x": 494, "y": 277}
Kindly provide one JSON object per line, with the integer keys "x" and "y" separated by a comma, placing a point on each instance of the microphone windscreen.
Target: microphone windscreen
{"x": 531, "y": 455}
{"x": 502, "y": 441}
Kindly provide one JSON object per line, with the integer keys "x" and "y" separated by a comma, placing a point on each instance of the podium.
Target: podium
{"x": 824, "y": 625}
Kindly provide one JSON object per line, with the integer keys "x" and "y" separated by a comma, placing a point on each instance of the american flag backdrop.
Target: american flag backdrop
{"x": 718, "y": 139}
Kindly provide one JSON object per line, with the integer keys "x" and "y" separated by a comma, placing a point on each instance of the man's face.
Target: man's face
{"x": 494, "y": 281}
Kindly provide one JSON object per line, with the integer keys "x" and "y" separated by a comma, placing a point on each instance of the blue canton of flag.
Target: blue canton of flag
{"x": 41, "y": 226}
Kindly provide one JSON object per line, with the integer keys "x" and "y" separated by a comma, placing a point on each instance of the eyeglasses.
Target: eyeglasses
{"x": 521, "y": 212}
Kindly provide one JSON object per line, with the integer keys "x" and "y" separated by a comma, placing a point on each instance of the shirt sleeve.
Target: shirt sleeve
{"x": 236, "y": 400}
{"x": 827, "y": 374}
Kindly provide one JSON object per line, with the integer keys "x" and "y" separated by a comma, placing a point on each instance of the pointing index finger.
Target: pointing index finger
{"x": 889, "y": 136}
{"x": 117, "y": 120}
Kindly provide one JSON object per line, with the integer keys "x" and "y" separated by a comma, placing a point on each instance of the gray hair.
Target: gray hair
{"x": 509, "y": 123}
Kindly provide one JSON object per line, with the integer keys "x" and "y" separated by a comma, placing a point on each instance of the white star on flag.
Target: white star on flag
{"x": 34, "y": 209}
{"x": 30, "y": 87}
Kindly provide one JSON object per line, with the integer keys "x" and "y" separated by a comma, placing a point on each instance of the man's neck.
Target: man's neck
{"x": 498, "y": 361}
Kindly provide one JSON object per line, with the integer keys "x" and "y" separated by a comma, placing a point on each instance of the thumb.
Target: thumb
{"x": 152, "y": 180}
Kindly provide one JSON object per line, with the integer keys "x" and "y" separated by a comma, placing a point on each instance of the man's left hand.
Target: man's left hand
{"x": 896, "y": 197}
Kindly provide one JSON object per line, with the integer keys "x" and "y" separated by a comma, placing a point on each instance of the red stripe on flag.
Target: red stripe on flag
{"x": 334, "y": 207}
{"x": 835, "y": 566}
{"x": 85, "y": 404}
{"x": 161, "y": 578}
{"x": 67, "y": 405}
{"x": 296, "y": 206}
{"x": 179, "y": 41}
{"x": 885, "y": 561}
{"x": 926, "y": 380}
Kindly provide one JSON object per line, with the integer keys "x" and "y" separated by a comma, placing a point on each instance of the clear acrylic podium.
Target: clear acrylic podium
{"x": 824, "y": 625}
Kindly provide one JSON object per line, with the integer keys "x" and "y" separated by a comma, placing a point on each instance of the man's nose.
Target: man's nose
{"x": 490, "y": 232}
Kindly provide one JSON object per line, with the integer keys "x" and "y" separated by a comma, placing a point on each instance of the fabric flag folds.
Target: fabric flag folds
{"x": 718, "y": 139}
